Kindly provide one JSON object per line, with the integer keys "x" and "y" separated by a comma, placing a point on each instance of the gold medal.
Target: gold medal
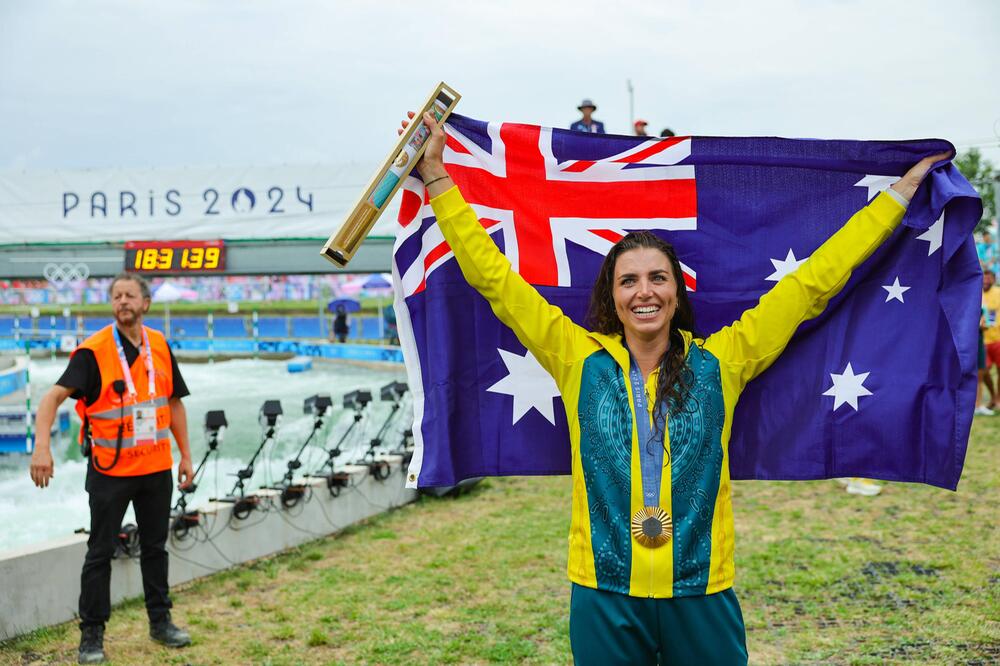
{"x": 652, "y": 527}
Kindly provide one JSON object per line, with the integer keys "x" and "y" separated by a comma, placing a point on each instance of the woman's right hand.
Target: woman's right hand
{"x": 42, "y": 468}
{"x": 431, "y": 165}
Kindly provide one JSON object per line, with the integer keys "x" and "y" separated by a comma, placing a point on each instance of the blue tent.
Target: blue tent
{"x": 376, "y": 281}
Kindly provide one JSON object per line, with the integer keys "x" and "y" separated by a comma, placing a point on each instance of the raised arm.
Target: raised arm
{"x": 754, "y": 341}
{"x": 554, "y": 339}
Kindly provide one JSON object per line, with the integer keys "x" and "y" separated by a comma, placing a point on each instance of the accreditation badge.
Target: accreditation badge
{"x": 144, "y": 419}
{"x": 652, "y": 526}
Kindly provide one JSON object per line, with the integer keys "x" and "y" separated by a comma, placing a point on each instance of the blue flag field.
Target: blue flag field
{"x": 881, "y": 385}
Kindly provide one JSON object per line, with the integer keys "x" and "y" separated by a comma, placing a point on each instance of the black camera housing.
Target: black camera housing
{"x": 357, "y": 399}
{"x": 318, "y": 404}
{"x": 270, "y": 411}
{"x": 215, "y": 420}
{"x": 393, "y": 391}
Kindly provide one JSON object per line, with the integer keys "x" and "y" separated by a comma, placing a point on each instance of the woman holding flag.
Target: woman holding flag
{"x": 650, "y": 408}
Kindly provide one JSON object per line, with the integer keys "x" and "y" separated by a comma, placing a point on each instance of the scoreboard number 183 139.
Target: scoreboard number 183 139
{"x": 175, "y": 256}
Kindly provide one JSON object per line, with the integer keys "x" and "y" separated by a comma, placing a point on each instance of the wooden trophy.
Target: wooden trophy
{"x": 388, "y": 179}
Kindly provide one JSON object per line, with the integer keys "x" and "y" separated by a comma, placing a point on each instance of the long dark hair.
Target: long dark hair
{"x": 675, "y": 378}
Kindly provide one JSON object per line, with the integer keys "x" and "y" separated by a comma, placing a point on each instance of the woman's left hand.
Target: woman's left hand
{"x": 907, "y": 185}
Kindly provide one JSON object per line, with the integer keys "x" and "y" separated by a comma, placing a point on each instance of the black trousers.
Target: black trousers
{"x": 109, "y": 497}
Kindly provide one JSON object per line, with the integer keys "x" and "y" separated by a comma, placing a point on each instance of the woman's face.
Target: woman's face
{"x": 645, "y": 292}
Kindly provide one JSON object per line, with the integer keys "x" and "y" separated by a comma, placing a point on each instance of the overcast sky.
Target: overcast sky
{"x": 190, "y": 82}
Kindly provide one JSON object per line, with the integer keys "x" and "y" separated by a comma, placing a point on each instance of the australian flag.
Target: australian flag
{"x": 881, "y": 385}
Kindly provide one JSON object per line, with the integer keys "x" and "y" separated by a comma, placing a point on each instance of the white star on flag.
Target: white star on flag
{"x": 783, "y": 267}
{"x": 933, "y": 236}
{"x": 895, "y": 291}
{"x": 529, "y": 385}
{"x": 876, "y": 184}
{"x": 847, "y": 387}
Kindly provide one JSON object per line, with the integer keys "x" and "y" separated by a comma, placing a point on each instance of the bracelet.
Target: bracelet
{"x": 434, "y": 180}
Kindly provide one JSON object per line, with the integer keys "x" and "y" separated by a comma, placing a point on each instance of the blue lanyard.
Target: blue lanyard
{"x": 127, "y": 374}
{"x": 650, "y": 439}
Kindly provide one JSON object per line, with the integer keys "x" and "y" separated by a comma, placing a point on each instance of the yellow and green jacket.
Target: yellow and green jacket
{"x": 592, "y": 370}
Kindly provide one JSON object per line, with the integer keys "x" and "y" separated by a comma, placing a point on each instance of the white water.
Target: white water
{"x": 239, "y": 387}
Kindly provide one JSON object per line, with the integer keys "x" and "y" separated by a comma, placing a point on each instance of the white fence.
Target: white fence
{"x": 41, "y": 583}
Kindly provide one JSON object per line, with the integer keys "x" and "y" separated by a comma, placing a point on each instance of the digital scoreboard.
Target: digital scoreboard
{"x": 175, "y": 256}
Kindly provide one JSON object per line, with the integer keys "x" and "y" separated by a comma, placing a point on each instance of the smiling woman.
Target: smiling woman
{"x": 650, "y": 406}
{"x": 638, "y": 295}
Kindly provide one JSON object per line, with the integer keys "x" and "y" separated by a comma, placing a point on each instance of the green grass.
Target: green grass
{"x": 908, "y": 577}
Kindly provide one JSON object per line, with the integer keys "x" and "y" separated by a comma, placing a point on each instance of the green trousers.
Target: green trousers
{"x": 609, "y": 628}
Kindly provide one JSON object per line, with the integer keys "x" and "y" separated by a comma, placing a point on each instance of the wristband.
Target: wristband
{"x": 900, "y": 199}
{"x": 434, "y": 180}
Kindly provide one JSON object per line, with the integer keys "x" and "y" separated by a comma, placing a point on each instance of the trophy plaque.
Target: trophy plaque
{"x": 389, "y": 178}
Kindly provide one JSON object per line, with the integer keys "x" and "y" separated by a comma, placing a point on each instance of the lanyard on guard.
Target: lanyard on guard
{"x": 147, "y": 354}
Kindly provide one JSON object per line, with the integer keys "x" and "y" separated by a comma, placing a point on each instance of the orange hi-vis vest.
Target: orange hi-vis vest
{"x": 107, "y": 413}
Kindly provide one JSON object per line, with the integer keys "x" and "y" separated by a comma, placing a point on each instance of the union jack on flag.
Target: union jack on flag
{"x": 741, "y": 212}
{"x": 521, "y": 183}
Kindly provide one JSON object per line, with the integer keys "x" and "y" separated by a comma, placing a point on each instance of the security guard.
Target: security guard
{"x": 128, "y": 390}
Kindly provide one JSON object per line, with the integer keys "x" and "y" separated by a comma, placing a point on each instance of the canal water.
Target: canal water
{"x": 239, "y": 387}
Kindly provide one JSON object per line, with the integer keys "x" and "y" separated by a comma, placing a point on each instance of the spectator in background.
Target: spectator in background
{"x": 991, "y": 333}
{"x": 666, "y": 132}
{"x": 391, "y": 329}
{"x": 983, "y": 408}
{"x": 587, "y": 123}
{"x": 640, "y": 127}
{"x": 987, "y": 251}
{"x": 340, "y": 327}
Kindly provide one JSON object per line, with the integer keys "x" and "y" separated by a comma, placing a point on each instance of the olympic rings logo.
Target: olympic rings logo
{"x": 60, "y": 274}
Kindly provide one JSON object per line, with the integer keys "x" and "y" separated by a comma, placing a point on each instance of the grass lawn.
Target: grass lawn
{"x": 908, "y": 577}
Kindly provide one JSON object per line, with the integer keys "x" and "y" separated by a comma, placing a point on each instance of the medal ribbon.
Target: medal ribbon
{"x": 650, "y": 439}
{"x": 147, "y": 353}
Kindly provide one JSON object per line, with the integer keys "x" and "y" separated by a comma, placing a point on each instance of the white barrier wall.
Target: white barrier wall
{"x": 41, "y": 583}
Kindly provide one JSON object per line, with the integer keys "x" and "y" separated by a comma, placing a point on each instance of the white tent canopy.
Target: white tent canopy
{"x": 168, "y": 292}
